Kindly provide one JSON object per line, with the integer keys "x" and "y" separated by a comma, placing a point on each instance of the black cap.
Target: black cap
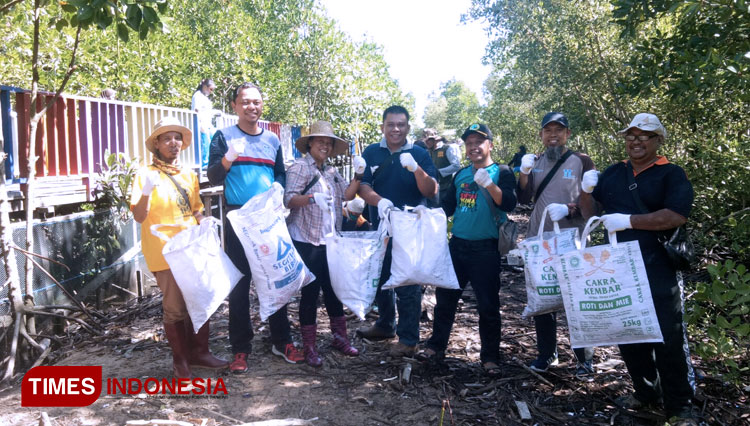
{"x": 477, "y": 128}
{"x": 555, "y": 117}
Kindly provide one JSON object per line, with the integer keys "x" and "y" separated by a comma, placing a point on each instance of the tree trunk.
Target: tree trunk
{"x": 29, "y": 196}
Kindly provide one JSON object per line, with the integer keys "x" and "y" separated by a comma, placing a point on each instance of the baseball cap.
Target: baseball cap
{"x": 477, "y": 128}
{"x": 648, "y": 123}
{"x": 555, "y": 117}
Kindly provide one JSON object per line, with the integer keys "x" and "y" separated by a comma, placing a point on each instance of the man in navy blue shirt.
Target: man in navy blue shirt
{"x": 398, "y": 174}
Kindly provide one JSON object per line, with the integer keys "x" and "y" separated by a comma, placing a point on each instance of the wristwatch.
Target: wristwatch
{"x": 310, "y": 199}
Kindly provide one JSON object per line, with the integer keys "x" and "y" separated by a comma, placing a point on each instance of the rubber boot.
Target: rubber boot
{"x": 308, "y": 344}
{"x": 340, "y": 340}
{"x": 199, "y": 355}
{"x": 178, "y": 341}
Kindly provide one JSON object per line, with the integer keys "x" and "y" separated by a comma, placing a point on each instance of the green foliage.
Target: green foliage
{"x": 454, "y": 109}
{"x": 555, "y": 56}
{"x": 603, "y": 63}
{"x": 308, "y": 69}
{"x": 111, "y": 193}
{"x": 718, "y": 317}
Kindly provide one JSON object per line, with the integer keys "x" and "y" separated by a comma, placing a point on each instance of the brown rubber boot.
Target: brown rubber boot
{"x": 178, "y": 341}
{"x": 199, "y": 355}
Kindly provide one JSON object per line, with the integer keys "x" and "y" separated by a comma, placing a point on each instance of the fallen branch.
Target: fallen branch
{"x": 534, "y": 373}
{"x": 216, "y": 413}
{"x": 281, "y": 422}
{"x": 40, "y": 256}
{"x": 60, "y": 286}
{"x": 158, "y": 422}
{"x": 78, "y": 320}
{"x": 47, "y": 349}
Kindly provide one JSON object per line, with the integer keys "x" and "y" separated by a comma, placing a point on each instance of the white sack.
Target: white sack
{"x": 277, "y": 269}
{"x": 606, "y": 294}
{"x": 542, "y": 287}
{"x": 202, "y": 270}
{"x": 420, "y": 249}
{"x": 355, "y": 260}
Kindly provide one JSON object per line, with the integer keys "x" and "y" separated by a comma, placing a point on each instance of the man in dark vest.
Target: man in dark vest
{"x": 447, "y": 160}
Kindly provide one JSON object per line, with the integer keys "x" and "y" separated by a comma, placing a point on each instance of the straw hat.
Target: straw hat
{"x": 169, "y": 124}
{"x": 323, "y": 128}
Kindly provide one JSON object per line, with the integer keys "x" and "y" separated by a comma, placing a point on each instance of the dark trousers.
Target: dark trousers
{"x": 546, "y": 339}
{"x": 406, "y": 299}
{"x": 240, "y": 327}
{"x": 317, "y": 262}
{"x": 477, "y": 262}
{"x": 662, "y": 369}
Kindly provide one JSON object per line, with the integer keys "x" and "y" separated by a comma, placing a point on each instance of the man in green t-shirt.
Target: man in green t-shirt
{"x": 478, "y": 198}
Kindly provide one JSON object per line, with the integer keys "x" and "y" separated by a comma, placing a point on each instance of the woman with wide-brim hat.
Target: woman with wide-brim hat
{"x": 165, "y": 193}
{"x": 314, "y": 193}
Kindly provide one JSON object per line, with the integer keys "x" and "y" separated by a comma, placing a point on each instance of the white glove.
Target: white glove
{"x": 150, "y": 181}
{"x": 616, "y": 222}
{"x": 409, "y": 162}
{"x": 482, "y": 178}
{"x": 557, "y": 211}
{"x": 527, "y": 163}
{"x": 589, "y": 181}
{"x": 384, "y": 205}
{"x": 234, "y": 151}
{"x": 359, "y": 164}
{"x": 322, "y": 200}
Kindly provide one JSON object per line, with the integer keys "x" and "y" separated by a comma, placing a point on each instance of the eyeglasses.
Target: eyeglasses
{"x": 642, "y": 138}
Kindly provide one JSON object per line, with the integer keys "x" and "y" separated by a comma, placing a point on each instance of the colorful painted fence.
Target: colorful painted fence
{"x": 76, "y": 131}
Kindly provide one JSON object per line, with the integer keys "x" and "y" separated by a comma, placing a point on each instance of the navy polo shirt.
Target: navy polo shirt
{"x": 395, "y": 183}
{"x": 662, "y": 185}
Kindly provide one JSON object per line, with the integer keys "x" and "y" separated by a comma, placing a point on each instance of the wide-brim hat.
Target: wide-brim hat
{"x": 322, "y": 129}
{"x": 648, "y": 123}
{"x": 169, "y": 124}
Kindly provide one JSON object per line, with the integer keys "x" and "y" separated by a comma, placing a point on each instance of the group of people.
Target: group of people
{"x": 392, "y": 174}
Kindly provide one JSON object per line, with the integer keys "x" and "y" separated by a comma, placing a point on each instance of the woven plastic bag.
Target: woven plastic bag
{"x": 355, "y": 260}
{"x": 277, "y": 269}
{"x": 203, "y": 272}
{"x": 606, "y": 294}
{"x": 420, "y": 249}
{"x": 539, "y": 253}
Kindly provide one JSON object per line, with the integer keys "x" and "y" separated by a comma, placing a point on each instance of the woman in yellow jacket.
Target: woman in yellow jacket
{"x": 165, "y": 193}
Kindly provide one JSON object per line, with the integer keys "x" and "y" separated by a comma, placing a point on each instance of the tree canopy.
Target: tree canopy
{"x": 307, "y": 68}
{"x": 602, "y": 61}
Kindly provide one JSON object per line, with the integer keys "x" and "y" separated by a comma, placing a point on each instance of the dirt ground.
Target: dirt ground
{"x": 369, "y": 389}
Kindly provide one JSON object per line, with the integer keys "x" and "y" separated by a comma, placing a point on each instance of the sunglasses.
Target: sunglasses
{"x": 642, "y": 138}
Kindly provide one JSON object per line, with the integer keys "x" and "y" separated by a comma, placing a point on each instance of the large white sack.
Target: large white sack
{"x": 420, "y": 249}
{"x": 203, "y": 272}
{"x": 355, "y": 260}
{"x": 606, "y": 294}
{"x": 542, "y": 286}
{"x": 277, "y": 269}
